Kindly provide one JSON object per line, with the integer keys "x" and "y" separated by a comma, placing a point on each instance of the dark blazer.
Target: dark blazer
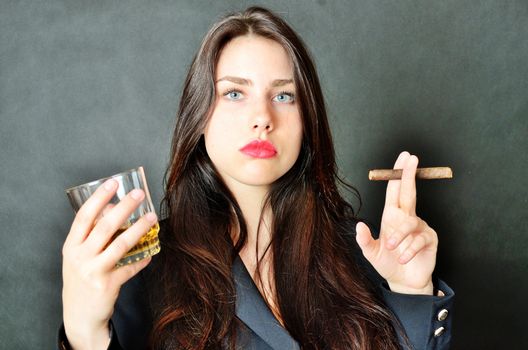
{"x": 426, "y": 320}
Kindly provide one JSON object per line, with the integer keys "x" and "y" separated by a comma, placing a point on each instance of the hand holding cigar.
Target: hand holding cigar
{"x": 405, "y": 251}
{"x": 421, "y": 173}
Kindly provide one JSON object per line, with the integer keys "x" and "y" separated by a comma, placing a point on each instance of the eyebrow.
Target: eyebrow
{"x": 242, "y": 81}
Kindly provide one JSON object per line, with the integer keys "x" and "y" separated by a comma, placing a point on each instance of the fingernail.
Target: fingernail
{"x": 136, "y": 194}
{"x": 151, "y": 217}
{"x": 109, "y": 184}
{"x": 404, "y": 257}
{"x": 391, "y": 242}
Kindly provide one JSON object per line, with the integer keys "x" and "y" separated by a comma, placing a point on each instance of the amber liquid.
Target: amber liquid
{"x": 147, "y": 246}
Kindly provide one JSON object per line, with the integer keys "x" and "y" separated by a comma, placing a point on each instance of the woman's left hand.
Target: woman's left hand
{"x": 405, "y": 253}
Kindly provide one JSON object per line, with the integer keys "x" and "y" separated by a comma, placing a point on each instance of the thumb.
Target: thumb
{"x": 365, "y": 241}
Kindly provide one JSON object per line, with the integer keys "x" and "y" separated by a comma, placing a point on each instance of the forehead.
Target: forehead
{"x": 254, "y": 57}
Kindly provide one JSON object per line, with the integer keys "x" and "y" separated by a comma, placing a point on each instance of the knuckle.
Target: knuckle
{"x": 410, "y": 252}
{"x": 105, "y": 225}
{"x": 419, "y": 242}
{"x": 83, "y": 218}
{"x": 74, "y": 259}
{"x": 146, "y": 224}
{"x": 414, "y": 222}
{"x": 140, "y": 228}
{"x": 97, "y": 283}
{"x": 100, "y": 285}
{"x": 431, "y": 236}
{"x": 69, "y": 254}
{"x": 397, "y": 234}
{"x": 402, "y": 234}
{"x": 121, "y": 246}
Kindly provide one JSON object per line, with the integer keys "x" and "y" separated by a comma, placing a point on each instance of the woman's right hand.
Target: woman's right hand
{"x": 91, "y": 282}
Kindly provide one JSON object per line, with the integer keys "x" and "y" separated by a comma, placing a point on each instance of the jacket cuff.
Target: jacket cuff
{"x": 63, "y": 344}
{"x": 426, "y": 319}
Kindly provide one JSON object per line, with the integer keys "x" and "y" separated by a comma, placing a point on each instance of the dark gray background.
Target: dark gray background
{"x": 90, "y": 88}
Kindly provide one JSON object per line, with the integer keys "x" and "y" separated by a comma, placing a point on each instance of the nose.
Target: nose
{"x": 263, "y": 125}
{"x": 262, "y": 119}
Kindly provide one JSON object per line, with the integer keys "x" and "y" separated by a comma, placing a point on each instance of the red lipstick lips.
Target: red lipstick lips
{"x": 259, "y": 149}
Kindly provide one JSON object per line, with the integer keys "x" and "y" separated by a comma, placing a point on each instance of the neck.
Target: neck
{"x": 255, "y": 253}
{"x": 251, "y": 201}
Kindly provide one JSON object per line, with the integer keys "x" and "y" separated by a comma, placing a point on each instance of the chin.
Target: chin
{"x": 254, "y": 175}
{"x": 257, "y": 175}
{"x": 259, "y": 180}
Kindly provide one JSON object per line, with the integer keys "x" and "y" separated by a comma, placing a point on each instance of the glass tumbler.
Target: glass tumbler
{"x": 149, "y": 244}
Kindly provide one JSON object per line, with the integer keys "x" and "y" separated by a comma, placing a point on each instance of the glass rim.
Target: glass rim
{"x": 103, "y": 179}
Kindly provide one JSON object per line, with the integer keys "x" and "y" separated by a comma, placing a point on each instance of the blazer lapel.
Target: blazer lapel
{"x": 253, "y": 311}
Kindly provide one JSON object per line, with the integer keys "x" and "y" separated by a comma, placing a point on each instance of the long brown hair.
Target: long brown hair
{"x": 332, "y": 305}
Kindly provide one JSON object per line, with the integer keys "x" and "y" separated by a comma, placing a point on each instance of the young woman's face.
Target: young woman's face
{"x": 254, "y": 134}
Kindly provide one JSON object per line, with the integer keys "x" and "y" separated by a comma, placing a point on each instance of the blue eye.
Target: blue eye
{"x": 233, "y": 95}
{"x": 284, "y": 97}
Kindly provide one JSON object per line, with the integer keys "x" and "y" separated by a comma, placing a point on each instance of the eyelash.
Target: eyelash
{"x": 290, "y": 94}
{"x": 230, "y": 91}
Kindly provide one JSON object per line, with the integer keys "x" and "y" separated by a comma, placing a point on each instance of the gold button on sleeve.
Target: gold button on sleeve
{"x": 442, "y": 315}
{"x": 439, "y": 331}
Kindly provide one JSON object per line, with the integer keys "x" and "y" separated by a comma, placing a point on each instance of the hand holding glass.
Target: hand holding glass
{"x": 148, "y": 245}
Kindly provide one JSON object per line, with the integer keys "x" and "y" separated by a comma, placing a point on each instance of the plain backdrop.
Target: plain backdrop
{"x": 91, "y": 88}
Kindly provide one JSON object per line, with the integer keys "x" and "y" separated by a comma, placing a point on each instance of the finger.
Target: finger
{"x": 411, "y": 225}
{"x": 112, "y": 221}
{"x": 408, "y": 186}
{"x": 84, "y": 220}
{"x": 391, "y": 219}
{"x": 393, "y": 187}
{"x": 419, "y": 242}
{"x": 369, "y": 246}
{"x": 107, "y": 209}
{"x": 126, "y": 241}
{"x": 124, "y": 273}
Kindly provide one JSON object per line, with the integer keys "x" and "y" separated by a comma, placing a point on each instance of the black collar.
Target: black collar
{"x": 253, "y": 311}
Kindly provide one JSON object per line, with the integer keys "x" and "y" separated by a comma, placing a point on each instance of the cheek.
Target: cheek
{"x": 225, "y": 118}
{"x": 219, "y": 138}
{"x": 293, "y": 142}
{"x": 297, "y": 132}
{"x": 298, "y": 145}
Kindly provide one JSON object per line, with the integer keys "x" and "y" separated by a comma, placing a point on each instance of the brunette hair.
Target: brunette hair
{"x": 333, "y": 305}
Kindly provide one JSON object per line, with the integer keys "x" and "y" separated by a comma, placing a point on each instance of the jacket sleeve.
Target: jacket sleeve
{"x": 426, "y": 320}
{"x": 62, "y": 342}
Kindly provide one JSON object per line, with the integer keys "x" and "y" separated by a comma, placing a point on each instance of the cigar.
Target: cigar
{"x": 421, "y": 173}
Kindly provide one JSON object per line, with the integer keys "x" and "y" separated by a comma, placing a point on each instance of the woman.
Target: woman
{"x": 258, "y": 249}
